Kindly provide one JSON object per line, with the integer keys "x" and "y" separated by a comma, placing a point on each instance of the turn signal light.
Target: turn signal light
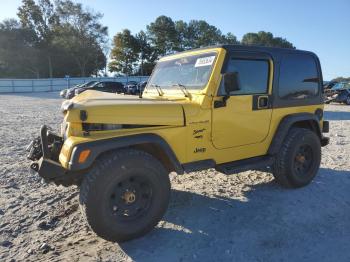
{"x": 84, "y": 155}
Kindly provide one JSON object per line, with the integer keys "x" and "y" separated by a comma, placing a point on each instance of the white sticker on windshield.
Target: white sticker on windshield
{"x": 204, "y": 61}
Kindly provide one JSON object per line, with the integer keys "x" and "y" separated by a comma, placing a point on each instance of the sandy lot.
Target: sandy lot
{"x": 212, "y": 217}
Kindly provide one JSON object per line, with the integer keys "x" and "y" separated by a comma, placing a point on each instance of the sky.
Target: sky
{"x": 321, "y": 26}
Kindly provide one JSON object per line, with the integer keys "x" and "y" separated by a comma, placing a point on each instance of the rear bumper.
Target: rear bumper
{"x": 325, "y": 129}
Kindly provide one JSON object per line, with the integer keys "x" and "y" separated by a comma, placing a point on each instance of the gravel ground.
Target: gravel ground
{"x": 212, "y": 217}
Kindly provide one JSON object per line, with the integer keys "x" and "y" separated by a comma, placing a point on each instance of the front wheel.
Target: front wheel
{"x": 299, "y": 158}
{"x": 125, "y": 194}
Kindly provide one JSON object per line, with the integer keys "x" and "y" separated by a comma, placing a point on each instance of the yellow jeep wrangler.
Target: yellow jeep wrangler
{"x": 232, "y": 108}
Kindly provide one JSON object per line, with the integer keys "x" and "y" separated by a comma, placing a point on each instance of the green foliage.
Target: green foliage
{"x": 125, "y": 53}
{"x": 147, "y": 54}
{"x": 341, "y": 79}
{"x": 263, "y": 38}
{"x": 52, "y": 39}
{"x": 80, "y": 36}
{"x": 200, "y": 34}
{"x": 165, "y": 36}
{"x": 162, "y": 34}
{"x": 230, "y": 39}
{"x": 16, "y": 50}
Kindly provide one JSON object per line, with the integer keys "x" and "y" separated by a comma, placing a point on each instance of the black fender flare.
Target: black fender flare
{"x": 100, "y": 146}
{"x": 286, "y": 123}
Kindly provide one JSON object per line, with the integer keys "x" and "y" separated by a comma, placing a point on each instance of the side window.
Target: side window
{"x": 298, "y": 77}
{"x": 253, "y": 76}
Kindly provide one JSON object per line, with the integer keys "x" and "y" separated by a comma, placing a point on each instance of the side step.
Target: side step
{"x": 199, "y": 165}
{"x": 262, "y": 163}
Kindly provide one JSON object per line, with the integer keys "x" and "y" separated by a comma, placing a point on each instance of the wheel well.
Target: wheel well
{"x": 153, "y": 149}
{"x": 304, "y": 120}
{"x": 308, "y": 124}
{"x": 157, "y": 152}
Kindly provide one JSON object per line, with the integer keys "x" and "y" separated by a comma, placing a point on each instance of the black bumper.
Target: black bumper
{"x": 47, "y": 168}
{"x": 325, "y": 129}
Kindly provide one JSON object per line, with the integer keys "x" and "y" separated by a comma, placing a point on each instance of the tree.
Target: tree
{"x": 40, "y": 18}
{"x": 80, "y": 50}
{"x": 263, "y": 38}
{"x": 17, "y": 55}
{"x": 66, "y": 35}
{"x": 181, "y": 28}
{"x": 147, "y": 54}
{"x": 201, "y": 34}
{"x": 124, "y": 53}
{"x": 229, "y": 39}
{"x": 81, "y": 36}
{"x": 162, "y": 34}
{"x": 341, "y": 79}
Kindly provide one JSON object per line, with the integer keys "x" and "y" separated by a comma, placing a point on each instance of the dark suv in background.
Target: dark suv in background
{"x": 65, "y": 92}
{"x": 339, "y": 93}
{"x": 104, "y": 86}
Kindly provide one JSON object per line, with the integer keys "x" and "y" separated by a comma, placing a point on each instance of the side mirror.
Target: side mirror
{"x": 231, "y": 82}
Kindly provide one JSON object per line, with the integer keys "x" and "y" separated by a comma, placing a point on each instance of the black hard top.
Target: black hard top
{"x": 272, "y": 51}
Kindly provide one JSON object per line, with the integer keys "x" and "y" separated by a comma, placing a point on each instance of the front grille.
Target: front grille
{"x": 88, "y": 127}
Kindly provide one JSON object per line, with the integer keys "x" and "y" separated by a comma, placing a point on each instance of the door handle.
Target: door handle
{"x": 263, "y": 102}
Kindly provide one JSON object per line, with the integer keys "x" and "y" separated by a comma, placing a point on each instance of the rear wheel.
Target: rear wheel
{"x": 125, "y": 195}
{"x": 299, "y": 158}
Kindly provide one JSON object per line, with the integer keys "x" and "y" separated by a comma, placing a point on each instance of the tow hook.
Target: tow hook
{"x": 35, "y": 167}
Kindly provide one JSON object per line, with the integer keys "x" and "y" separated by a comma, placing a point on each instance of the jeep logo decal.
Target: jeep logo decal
{"x": 199, "y": 150}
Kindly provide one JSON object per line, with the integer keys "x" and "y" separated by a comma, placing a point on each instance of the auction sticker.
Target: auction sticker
{"x": 205, "y": 61}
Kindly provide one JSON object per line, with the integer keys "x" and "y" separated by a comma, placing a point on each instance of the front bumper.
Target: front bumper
{"x": 44, "y": 156}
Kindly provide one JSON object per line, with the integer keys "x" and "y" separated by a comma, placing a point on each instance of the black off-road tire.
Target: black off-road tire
{"x": 110, "y": 174}
{"x": 286, "y": 169}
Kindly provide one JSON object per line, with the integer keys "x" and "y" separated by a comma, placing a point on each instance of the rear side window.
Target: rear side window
{"x": 252, "y": 74}
{"x": 298, "y": 77}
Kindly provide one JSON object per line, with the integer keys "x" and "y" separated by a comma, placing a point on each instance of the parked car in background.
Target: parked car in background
{"x": 339, "y": 93}
{"x": 105, "y": 86}
{"x": 63, "y": 93}
{"x": 130, "y": 87}
{"x": 329, "y": 84}
{"x": 70, "y": 92}
{"x": 140, "y": 87}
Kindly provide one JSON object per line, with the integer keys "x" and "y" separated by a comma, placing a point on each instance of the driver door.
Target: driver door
{"x": 245, "y": 119}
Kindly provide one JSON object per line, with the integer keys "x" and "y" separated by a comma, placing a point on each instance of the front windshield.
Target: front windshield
{"x": 192, "y": 72}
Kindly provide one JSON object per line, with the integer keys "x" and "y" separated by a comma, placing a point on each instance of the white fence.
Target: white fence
{"x": 56, "y": 84}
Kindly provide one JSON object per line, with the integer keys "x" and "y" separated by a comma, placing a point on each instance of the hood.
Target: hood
{"x": 110, "y": 108}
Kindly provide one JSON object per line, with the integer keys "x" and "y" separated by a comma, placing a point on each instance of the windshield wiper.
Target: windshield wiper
{"x": 159, "y": 90}
{"x": 183, "y": 89}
